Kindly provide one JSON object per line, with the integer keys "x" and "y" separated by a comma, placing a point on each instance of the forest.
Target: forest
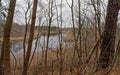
{"x": 59, "y": 37}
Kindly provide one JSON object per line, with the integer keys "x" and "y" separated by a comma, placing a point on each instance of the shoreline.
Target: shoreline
{"x": 21, "y": 38}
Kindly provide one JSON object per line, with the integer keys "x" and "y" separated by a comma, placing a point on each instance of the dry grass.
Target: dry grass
{"x": 37, "y": 65}
{"x": 18, "y": 38}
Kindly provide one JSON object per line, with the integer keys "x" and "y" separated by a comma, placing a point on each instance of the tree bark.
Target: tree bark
{"x": 109, "y": 34}
{"x": 5, "y": 60}
{"x": 31, "y": 37}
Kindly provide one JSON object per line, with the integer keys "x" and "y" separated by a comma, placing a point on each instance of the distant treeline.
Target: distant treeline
{"x": 45, "y": 28}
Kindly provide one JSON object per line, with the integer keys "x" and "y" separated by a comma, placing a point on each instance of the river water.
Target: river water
{"x": 17, "y": 47}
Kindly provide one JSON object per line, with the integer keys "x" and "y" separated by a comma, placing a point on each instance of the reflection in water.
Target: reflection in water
{"x": 41, "y": 44}
{"x": 17, "y": 47}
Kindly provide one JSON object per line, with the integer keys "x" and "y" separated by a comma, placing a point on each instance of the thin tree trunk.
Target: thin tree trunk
{"x": 109, "y": 34}
{"x": 5, "y": 60}
{"x": 60, "y": 41}
{"x": 31, "y": 37}
{"x": 27, "y": 22}
{"x": 48, "y": 34}
{"x": 99, "y": 16}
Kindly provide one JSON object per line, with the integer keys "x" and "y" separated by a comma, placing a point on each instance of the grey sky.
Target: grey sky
{"x": 19, "y": 17}
{"x": 21, "y": 6}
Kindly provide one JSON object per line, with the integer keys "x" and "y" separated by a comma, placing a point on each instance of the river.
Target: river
{"x": 17, "y": 47}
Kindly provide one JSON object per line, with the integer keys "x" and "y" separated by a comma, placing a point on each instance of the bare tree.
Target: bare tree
{"x": 27, "y": 22}
{"x": 109, "y": 34}
{"x": 50, "y": 16}
{"x": 5, "y": 56}
{"x": 60, "y": 39}
{"x": 31, "y": 37}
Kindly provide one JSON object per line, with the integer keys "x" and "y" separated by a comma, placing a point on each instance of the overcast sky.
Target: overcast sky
{"x": 19, "y": 17}
{"x": 21, "y": 7}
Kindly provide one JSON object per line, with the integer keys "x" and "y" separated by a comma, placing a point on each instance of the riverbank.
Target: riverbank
{"x": 21, "y": 38}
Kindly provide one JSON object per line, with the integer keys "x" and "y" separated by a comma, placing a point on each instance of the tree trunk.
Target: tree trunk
{"x": 30, "y": 40}
{"x": 109, "y": 34}
{"x": 5, "y": 60}
{"x": 50, "y": 15}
